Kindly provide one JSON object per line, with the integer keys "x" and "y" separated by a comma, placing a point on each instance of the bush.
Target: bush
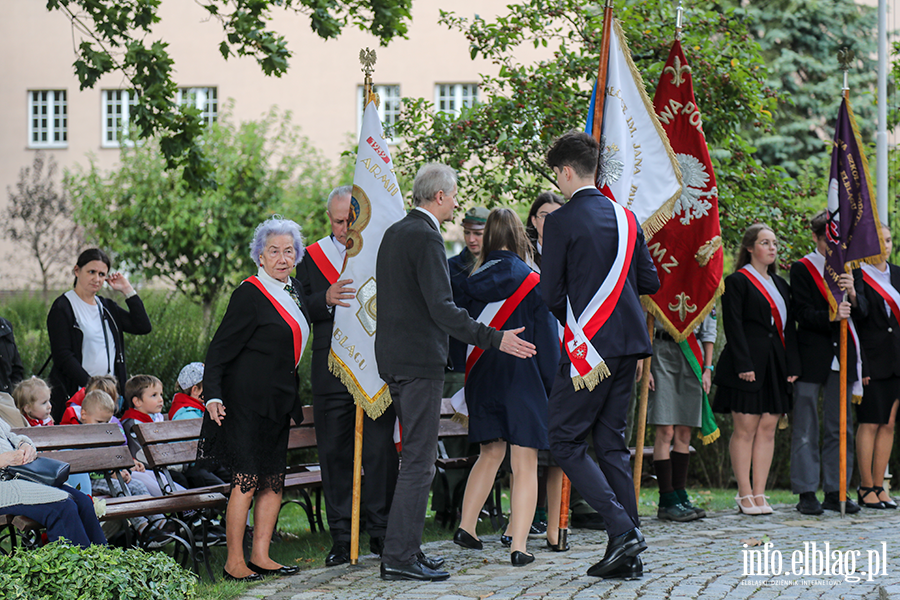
{"x": 59, "y": 571}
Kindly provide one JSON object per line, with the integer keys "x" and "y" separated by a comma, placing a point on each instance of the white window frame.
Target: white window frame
{"x": 388, "y": 108}
{"x": 57, "y": 119}
{"x": 451, "y": 97}
{"x": 120, "y": 126}
{"x": 206, "y": 100}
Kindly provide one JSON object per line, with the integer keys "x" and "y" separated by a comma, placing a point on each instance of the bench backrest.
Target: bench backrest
{"x": 87, "y": 448}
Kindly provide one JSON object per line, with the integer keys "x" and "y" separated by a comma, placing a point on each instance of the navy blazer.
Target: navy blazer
{"x": 460, "y": 268}
{"x": 879, "y": 333}
{"x": 818, "y": 337}
{"x": 580, "y": 241}
{"x": 752, "y": 336}
{"x": 315, "y": 285}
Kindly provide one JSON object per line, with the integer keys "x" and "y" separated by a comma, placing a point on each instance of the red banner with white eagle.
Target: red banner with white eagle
{"x": 687, "y": 251}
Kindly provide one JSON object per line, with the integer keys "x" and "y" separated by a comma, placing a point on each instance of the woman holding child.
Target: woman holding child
{"x": 250, "y": 386}
{"x": 86, "y": 330}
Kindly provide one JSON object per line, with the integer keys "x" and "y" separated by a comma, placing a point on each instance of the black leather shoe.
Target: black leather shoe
{"x": 833, "y": 502}
{"x": 432, "y": 562}
{"x": 887, "y": 503}
{"x": 464, "y": 538}
{"x": 282, "y": 571}
{"x": 618, "y": 552}
{"x": 506, "y": 540}
{"x": 229, "y": 577}
{"x": 376, "y": 544}
{"x": 633, "y": 569}
{"x": 809, "y": 504}
{"x": 520, "y": 559}
{"x": 862, "y": 492}
{"x": 340, "y": 554}
{"x": 416, "y": 572}
{"x": 555, "y": 548}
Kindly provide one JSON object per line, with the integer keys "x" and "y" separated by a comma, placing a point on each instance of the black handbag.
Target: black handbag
{"x": 47, "y": 471}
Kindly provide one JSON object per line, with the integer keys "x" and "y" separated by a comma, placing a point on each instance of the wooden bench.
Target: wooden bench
{"x": 101, "y": 448}
{"x": 170, "y": 443}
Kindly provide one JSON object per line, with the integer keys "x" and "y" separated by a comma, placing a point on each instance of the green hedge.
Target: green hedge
{"x": 181, "y": 334}
{"x": 59, "y": 571}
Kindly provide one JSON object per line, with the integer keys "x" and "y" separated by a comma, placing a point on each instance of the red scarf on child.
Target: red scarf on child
{"x": 137, "y": 415}
{"x": 184, "y": 401}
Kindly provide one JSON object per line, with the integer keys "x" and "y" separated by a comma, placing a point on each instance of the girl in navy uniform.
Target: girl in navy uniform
{"x": 507, "y": 397}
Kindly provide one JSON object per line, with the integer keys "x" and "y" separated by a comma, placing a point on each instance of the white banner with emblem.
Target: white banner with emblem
{"x": 376, "y": 204}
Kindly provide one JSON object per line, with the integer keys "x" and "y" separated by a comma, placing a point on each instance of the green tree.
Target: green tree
{"x": 799, "y": 41}
{"x": 155, "y": 224}
{"x": 118, "y": 36}
{"x": 500, "y": 144}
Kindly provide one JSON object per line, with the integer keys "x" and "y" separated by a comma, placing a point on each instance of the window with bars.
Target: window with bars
{"x": 388, "y": 108}
{"x": 118, "y": 106}
{"x": 453, "y": 97}
{"x": 204, "y": 99}
{"x": 47, "y": 119}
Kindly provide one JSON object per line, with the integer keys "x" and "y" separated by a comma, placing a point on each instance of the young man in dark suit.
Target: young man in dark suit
{"x": 581, "y": 243}
{"x": 333, "y": 408}
{"x": 817, "y": 339}
{"x": 416, "y": 316}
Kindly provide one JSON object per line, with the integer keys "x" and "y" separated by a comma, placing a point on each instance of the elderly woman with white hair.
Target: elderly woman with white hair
{"x": 250, "y": 386}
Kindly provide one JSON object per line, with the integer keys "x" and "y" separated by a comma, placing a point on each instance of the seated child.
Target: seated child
{"x": 144, "y": 393}
{"x": 106, "y": 383}
{"x": 98, "y": 407}
{"x": 32, "y": 398}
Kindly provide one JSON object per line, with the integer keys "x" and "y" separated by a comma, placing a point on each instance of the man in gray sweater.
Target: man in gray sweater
{"x": 416, "y": 316}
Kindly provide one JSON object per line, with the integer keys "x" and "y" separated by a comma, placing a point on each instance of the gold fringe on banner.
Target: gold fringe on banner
{"x": 709, "y": 439}
{"x": 656, "y": 221}
{"x": 374, "y": 407}
{"x": 460, "y": 418}
{"x": 679, "y": 336}
{"x": 594, "y": 377}
{"x": 856, "y": 399}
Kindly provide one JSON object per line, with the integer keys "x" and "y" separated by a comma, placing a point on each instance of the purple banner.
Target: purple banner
{"x": 853, "y": 231}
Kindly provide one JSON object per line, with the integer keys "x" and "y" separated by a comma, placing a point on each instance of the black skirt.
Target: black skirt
{"x": 878, "y": 400}
{"x": 774, "y": 397}
{"x": 252, "y": 447}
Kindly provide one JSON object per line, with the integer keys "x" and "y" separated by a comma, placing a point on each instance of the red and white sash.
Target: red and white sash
{"x": 288, "y": 310}
{"x": 494, "y": 315}
{"x": 327, "y": 257}
{"x": 770, "y": 292}
{"x": 815, "y": 264}
{"x": 888, "y": 292}
{"x": 588, "y": 367}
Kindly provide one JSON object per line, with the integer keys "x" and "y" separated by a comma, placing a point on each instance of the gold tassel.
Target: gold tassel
{"x": 375, "y": 406}
{"x": 460, "y": 418}
{"x": 709, "y": 439}
{"x": 594, "y": 377}
{"x": 783, "y": 422}
{"x": 856, "y": 399}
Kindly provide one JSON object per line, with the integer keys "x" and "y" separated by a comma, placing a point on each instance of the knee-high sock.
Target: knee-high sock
{"x": 663, "y": 470}
{"x": 680, "y": 462}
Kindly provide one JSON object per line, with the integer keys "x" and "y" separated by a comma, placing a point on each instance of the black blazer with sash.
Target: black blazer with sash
{"x": 880, "y": 333}
{"x": 818, "y": 337}
{"x": 314, "y": 286}
{"x": 579, "y": 249}
{"x": 251, "y": 359}
{"x": 752, "y": 336}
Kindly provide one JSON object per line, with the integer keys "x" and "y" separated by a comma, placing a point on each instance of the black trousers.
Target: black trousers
{"x": 607, "y": 485}
{"x": 335, "y": 422}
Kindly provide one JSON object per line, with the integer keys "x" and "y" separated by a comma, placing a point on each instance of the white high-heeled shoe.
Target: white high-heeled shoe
{"x": 764, "y": 508}
{"x": 753, "y": 509}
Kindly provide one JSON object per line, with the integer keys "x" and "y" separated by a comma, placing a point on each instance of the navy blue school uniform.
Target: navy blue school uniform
{"x": 580, "y": 245}
{"x": 461, "y": 267}
{"x": 507, "y": 396}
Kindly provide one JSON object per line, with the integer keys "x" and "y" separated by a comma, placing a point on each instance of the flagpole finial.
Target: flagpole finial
{"x": 367, "y": 58}
{"x": 845, "y": 59}
{"x": 679, "y": 20}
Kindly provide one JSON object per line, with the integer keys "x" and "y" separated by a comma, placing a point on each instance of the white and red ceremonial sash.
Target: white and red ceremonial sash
{"x": 772, "y": 295}
{"x": 888, "y": 292}
{"x": 815, "y": 264}
{"x": 493, "y": 315}
{"x": 286, "y": 307}
{"x": 588, "y": 367}
{"x": 326, "y": 256}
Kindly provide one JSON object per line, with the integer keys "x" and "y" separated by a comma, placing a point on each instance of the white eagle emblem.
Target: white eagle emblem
{"x": 693, "y": 203}
{"x": 609, "y": 170}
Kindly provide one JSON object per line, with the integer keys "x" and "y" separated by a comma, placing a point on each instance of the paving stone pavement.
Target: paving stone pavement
{"x": 702, "y": 560}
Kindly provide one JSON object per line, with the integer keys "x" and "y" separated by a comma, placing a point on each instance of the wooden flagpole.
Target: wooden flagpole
{"x": 599, "y": 102}
{"x": 367, "y": 59}
{"x": 845, "y": 57}
{"x": 642, "y": 417}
